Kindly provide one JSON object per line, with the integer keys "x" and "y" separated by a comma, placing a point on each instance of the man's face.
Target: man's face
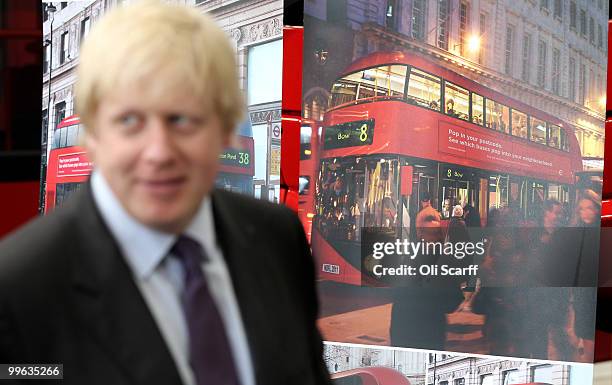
{"x": 158, "y": 154}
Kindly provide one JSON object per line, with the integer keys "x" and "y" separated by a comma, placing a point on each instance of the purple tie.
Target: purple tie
{"x": 209, "y": 350}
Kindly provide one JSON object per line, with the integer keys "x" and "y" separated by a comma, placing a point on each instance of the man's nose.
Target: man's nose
{"x": 160, "y": 147}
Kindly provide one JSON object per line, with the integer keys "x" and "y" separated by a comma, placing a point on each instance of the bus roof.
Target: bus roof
{"x": 425, "y": 64}
{"x": 375, "y": 376}
{"x": 69, "y": 121}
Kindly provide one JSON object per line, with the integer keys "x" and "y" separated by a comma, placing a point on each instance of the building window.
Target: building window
{"x": 583, "y": 23}
{"x": 392, "y": 14}
{"x": 63, "y": 4}
{"x": 581, "y": 84}
{"x": 45, "y": 121}
{"x": 558, "y": 10}
{"x": 544, "y": 4}
{"x": 418, "y": 19}
{"x": 460, "y": 381}
{"x": 526, "y": 58}
{"x": 85, "y": 25}
{"x": 573, "y": 15}
{"x": 46, "y": 57}
{"x": 63, "y": 47}
{"x": 572, "y": 80}
{"x": 483, "y": 28}
{"x": 508, "y": 51}
{"x": 443, "y": 7}
{"x": 541, "y": 79}
{"x": 556, "y": 69}
{"x": 599, "y": 36}
{"x": 542, "y": 373}
{"x": 592, "y": 31}
{"x": 464, "y": 25}
{"x": 60, "y": 113}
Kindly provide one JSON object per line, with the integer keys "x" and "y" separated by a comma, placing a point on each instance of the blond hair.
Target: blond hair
{"x": 164, "y": 48}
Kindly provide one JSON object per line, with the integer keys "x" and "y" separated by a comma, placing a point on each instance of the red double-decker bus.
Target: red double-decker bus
{"x": 400, "y": 126}
{"x": 310, "y": 132}
{"x": 370, "y": 376}
{"x": 68, "y": 167}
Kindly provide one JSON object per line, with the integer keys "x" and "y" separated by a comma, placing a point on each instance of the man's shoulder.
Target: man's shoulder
{"x": 246, "y": 208}
{"x": 36, "y": 247}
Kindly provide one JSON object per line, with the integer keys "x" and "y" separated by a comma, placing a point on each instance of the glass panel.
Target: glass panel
{"x": 558, "y": 192}
{"x": 342, "y": 92}
{"x": 357, "y": 192}
{"x": 498, "y": 191}
{"x": 538, "y": 131}
{"x": 303, "y": 185}
{"x": 498, "y": 116}
{"x": 512, "y": 377}
{"x": 56, "y": 138}
{"x": 63, "y": 136}
{"x": 543, "y": 373}
{"x": 477, "y": 109}
{"x": 554, "y": 136}
{"x": 305, "y": 144}
{"x": 487, "y": 379}
{"x": 536, "y": 199}
{"x": 424, "y": 89}
{"x": 519, "y": 124}
{"x": 564, "y": 140}
{"x": 73, "y": 135}
{"x": 457, "y": 101}
{"x": 390, "y": 80}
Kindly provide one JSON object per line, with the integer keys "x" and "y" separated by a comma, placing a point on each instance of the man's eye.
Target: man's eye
{"x": 130, "y": 120}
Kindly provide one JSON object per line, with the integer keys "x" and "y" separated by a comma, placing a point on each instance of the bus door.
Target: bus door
{"x": 457, "y": 187}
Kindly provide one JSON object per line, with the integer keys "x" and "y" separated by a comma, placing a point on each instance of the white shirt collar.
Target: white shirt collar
{"x": 144, "y": 248}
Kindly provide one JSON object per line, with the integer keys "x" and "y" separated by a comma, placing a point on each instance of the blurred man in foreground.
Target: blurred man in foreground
{"x": 150, "y": 276}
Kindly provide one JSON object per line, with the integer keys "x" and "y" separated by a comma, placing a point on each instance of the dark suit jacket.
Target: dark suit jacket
{"x": 67, "y": 296}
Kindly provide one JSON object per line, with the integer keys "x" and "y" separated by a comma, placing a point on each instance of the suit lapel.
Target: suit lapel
{"x": 235, "y": 235}
{"x": 110, "y": 306}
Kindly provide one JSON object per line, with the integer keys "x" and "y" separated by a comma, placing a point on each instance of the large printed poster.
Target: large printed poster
{"x": 450, "y": 183}
{"x": 251, "y": 166}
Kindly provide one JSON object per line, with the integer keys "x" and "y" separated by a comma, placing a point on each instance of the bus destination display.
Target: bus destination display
{"x": 236, "y": 158}
{"x": 351, "y": 134}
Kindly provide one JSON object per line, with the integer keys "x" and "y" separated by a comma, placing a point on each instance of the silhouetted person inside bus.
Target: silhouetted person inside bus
{"x": 150, "y": 275}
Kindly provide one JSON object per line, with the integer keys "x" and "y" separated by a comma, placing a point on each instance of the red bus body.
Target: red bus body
{"x": 370, "y": 376}
{"x": 309, "y": 165}
{"x": 68, "y": 167}
{"x": 407, "y": 138}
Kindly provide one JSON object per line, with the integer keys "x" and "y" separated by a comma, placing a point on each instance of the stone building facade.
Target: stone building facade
{"x": 443, "y": 369}
{"x": 411, "y": 364}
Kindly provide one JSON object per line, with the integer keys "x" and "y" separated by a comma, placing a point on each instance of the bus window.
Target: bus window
{"x": 457, "y": 101}
{"x": 63, "y": 136}
{"x": 498, "y": 191}
{"x": 305, "y": 144}
{"x": 554, "y": 136}
{"x": 558, "y": 192}
{"x": 303, "y": 185}
{"x": 477, "y": 109}
{"x": 536, "y": 199}
{"x": 72, "y": 135}
{"x": 519, "y": 124}
{"x": 564, "y": 140}
{"x": 390, "y": 80}
{"x": 542, "y": 373}
{"x": 498, "y": 116}
{"x": 56, "y": 139}
{"x": 538, "y": 131}
{"x": 343, "y": 91}
{"x": 424, "y": 89}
